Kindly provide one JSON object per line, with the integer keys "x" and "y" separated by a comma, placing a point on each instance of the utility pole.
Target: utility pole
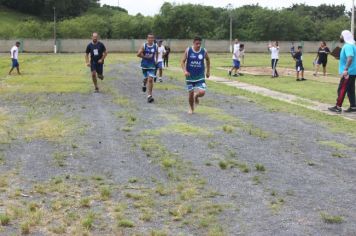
{"x": 54, "y": 30}
{"x": 229, "y": 7}
{"x": 353, "y": 17}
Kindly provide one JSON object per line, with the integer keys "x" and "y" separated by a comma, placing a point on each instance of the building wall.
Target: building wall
{"x": 132, "y": 45}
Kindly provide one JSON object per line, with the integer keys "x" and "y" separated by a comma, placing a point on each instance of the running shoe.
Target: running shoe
{"x": 335, "y": 109}
{"x": 150, "y": 99}
{"x": 351, "y": 109}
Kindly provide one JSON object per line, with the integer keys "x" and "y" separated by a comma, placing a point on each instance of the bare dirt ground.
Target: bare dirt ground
{"x": 125, "y": 167}
{"x": 282, "y": 71}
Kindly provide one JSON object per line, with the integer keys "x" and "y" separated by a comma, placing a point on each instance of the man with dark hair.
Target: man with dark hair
{"x": 166, "y": 56}
{"x": 235, "y": 59}
{"x": 14, "y": 58}
{"x": 195, "y": 71}
{"x": 161, "y": 52}
{"x": 97, "y": 52}
{"x": 149, "y": 54}
{"x": 298, "y": 57}
{"x": 347, "y": 69}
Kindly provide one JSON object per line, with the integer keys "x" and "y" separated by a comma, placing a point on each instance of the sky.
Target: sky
{"x": 151, "y": 7}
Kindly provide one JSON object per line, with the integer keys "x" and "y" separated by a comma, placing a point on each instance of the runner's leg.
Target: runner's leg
{"x": 191, "y": 102}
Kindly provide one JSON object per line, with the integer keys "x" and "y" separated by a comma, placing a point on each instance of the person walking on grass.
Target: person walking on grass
{"x": 347, "y": 70}
{"x": 14, "y": 52}
{"x": 196, "y": 66}
{"x": 97, "y": 52}
{"x": 166, "y": 56}
{"x": 149, "y": 55}
{"x": 321, "y": 58}
{"x": 161, "y": 52}
{"x": 298, "y": 57}
{"x": 274, "y": 49}
{"x": 235, "y": 59}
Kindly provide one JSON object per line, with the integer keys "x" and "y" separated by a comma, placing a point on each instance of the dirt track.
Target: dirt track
{"x": 177, "y": 173}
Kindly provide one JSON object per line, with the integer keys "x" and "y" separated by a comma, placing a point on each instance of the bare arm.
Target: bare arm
{"x": 87, "y": 59}
{"x": 105, "y": 54}
{"x": 183, "y": 63}
{"x": 207, "y": 58}
{"x": 348, "y": 64}
{"x": 140, "y": 53}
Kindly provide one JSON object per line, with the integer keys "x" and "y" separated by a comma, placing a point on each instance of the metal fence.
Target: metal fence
{"x": 132, "y": 45}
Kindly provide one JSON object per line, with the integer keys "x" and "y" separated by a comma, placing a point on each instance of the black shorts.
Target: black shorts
{"x": 97, "y": 67}
{"x": 299, "y": 66}
{"x": 322, "y": 62}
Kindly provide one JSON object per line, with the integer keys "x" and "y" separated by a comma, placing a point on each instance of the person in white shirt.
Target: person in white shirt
{"x": 235, "y": 59}
{"x": 274, "y": 49}
{"x": 161, "y": 52}
{"x": 15, "y": 57}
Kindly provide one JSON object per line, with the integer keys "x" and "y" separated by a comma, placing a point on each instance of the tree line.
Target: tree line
{"x": 250, "y": 23}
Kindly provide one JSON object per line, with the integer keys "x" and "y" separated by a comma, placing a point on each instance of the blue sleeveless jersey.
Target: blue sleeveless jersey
{"x": 196, "y": 65}
{"x": 149, "y": 51}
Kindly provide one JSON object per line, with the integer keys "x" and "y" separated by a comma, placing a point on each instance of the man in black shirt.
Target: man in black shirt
{"x": 97, "y": 52}
{"x": 322, "y": 58}
{"x": 166, "y": 56}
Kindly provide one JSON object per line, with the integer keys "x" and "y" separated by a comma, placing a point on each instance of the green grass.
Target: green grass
{"x": 331, "y": 219}
{"x": 4, "y": 219}
{"x": 335, "y": 145}
{"x": 125, "y": 223}
{"x": 178, "y": 128}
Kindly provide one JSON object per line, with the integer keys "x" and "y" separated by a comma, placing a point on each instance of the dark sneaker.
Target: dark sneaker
{"x": 96, "y": 90}
{"x": 335, "y": 109}
{"x": 150, "y": 99}
{"x": 144, "y": 88}
{"x": 230, "y": 72}
{"x": 298, "y": 79}
{"x": 235, "y": 75}
{"x": 101, "y": 77}
{"x": 351, "y": 109}
{"x": 303, "y": 79}
{"x": 155, "y": 80}
{"x": 160, "y": 80}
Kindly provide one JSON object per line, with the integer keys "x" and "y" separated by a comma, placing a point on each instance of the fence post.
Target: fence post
{"x": 302, "y": 43}
{"x": 59, "y": 45}
{"x": 333, "y": 45}
{"x": 133, "y": 48}
{"x": 21, "y": 45}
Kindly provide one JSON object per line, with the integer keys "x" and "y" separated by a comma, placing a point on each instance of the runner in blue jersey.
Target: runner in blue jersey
{"x": 195, "y": 70}
{"x": 149, "y": 55}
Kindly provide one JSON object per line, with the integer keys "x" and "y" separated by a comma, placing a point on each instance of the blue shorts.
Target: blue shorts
{"x": 97, "y": 67}
{"x": 299, "y": 66}
{"x": 15, "y": 63}
{"x": 236, "y": 64}
{"x": 191, "y": 86}
{"x": 159, "y": 65}
{"x": 149, "y": 73}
